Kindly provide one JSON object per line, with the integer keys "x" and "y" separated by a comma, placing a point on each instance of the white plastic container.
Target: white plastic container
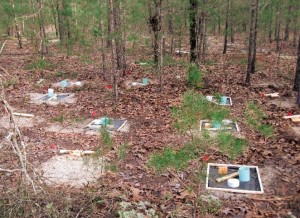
{"x": 50, "y": 93}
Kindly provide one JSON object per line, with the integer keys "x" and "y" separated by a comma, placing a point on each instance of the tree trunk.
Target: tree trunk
{"x": 17, "y": 25}
{"x": 287, "y": 24}
{"x": 43, "y": 48}
{"x": 117, "y": 30}
{"x": 219, "y": 24}
{"x": 54, "y": 14}
{"x": 226, "y": 27}
{"x": 161, "y": 63}
{"x": 251, "y": 40}
{"x": 193, "y": 37}
{"x": 113, "y": 68}
{"x": 270, "y": 25}
{"x": 254, "y": 40}
{"x": 155, "y": 24}
{"x": 297, "y": 75}
{"x": 61, "y": 26}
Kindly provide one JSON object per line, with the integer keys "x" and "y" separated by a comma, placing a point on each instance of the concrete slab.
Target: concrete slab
{"x": 82, "y": 128}
{"x": 69, "y": 84}
{"x": 21, "y": 121}
{"x": 61, "y": 98}
{"x": 72, "y": 170}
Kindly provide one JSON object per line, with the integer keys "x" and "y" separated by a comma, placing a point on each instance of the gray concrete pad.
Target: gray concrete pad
{"x": 20, "y": 121}
{"x": 62, "y": 98}
{"x": 72, "y": 170}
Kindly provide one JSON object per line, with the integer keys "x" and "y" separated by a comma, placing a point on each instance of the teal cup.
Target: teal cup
{"x": 244, "y": 174}
{"x": 145, "y": 81}
{"x": 64, "y": 83}
{"x": 216, "y": 124}
{"x": 223, "y": 100}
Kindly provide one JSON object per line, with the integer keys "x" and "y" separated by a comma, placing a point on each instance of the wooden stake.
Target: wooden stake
{"x": 232, "y": 175}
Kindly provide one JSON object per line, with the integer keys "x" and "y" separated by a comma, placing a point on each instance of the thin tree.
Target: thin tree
{"x": 287, "y": 23}
{"x": 253, "y": 61}
{"x": 113, "y": 67}
{"x": 252, "y": 43}
{"x": 43, "y": 47}
{"x": 16, "y": 24}
{"x": 155, "y": 19}
{"x": 226, "y": 26}
{"x": 297, "y": 76}
{"x": 193, "y": 37}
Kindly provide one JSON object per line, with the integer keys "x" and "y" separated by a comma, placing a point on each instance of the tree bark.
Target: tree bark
{"x": 287, "y": 24}
{"x": 297, "y": 75}
{"x": 193, "y": 37}
{"x": 19, "y": 36}
{"x": 155, "y": 24}
{"x": 254, "y": 7}
{"x": 43, "y": 48}
{"x": 113, "y": 66}
{"x": 61, "y": 26}
{"x": 226, "y": 27}
{"x": 253, "y": 61}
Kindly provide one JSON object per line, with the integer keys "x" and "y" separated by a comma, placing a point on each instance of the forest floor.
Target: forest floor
{"x": 130, "y": 180}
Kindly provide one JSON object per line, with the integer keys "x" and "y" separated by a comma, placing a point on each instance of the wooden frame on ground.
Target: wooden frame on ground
{"x": 237, "y": 190}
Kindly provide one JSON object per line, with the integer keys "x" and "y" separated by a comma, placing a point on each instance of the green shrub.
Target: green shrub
{"x": 194, "y": 108}
{"x": 230, "y": 145}
{"x": 40, "y": 64}
{"x": 172, "y": 159}
{"x": 255, "y": 116}
{"x": 194, "y": 77}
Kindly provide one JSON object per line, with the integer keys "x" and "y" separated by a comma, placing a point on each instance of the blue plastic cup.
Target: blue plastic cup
{"x": 244, "y": 174}
{"x": 145, "y": 81}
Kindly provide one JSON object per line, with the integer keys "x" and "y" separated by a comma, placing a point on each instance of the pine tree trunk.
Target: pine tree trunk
{"x": 270, "y": 25}
{"x": 253, "y": 61}
{"x": 61, "y": 26}
{"x": 287, "y": 24}
{"x": 113, "y": 67}
{"x": 17, "y": 25}
{"x": 226, "y": 27}
{"x": 297, "y": 75}
{"x": 54, "y": 14}
{"x": 161, "y": 63}
{"x": 118, "y": 39}
{"x": 155, "y": 24}
{"x": 193, "y": 37}
{"x": 43, "y": 49}
{"x": 251, "y": 41}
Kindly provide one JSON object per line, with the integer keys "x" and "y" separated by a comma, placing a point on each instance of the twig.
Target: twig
{"x": 10, "y": 171}
{"x": 288, "y": 198}
{"x": 17, "y": 142}
{"x": 3, "y": 46}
